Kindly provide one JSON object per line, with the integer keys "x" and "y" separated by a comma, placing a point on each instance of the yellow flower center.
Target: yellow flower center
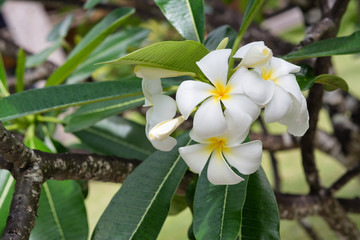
{"x": 217, "y": 144}
{"x": 221, "y": 91}
{"x": 268, "y": 74}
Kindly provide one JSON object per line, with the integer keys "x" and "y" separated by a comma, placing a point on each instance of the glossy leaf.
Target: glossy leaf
{"x": 3, "y": 75}
{"x": 39, "y": 58}
{"x": 113, "y": 47}
{"x": 61, "y": 213}
{"x": 96, "y": 36}
{"x": 141, "y": 206}
{"x": 218, "y": 209}
{"x": 178, "y": 204}
{"x": 179, "y": 56}
{"x": 260, "y": 212}
{"x": 328, "y": 47}
{"x": 305, "y": 77}
{"x": 331, "y": 82}
{"x": 252, "y": 8}
{"x": 7, "y": 184}
{"x": 187, "y": 16}
{"x": 59, "y": 97}
{"x": 117, "y": 136}
{"x": 20, "y": 70}
{"x": 61, "y": 29}
{"x": 216, "y": 36}
{"x": 89, "y": 114}
{"x": 91, "y": 3}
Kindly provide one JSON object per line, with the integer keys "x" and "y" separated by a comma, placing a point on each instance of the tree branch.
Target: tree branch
{"x": 344, "y": 179}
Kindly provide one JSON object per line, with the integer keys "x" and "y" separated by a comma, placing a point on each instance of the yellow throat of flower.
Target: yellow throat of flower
{"x": 268, "y": 74}
{"x": 221, "y": 91}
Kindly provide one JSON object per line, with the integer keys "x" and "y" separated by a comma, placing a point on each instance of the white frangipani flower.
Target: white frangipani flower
{"x": 223, "y": 151}
{"x": 209, "y": 119}
{"x": 253, "y": 54}
{"x": 277, "y": 90}
{"x": 164, "y": 129}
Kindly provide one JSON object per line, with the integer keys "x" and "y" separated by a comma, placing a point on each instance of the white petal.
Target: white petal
{"x": 259, "y": 90}
{"x": 281, "y": 67}
{"x": 288, "y": 83}
{"x": 155, "y": 73}
{"x": 196, "y": 138}
{"x": 215, "y": 65}
{"x": 151, "y": 88}
{"x": 238, "y": 126}
{"x": 195, "y": 156}
{"x": 209, "y": 120}
{"x": 164, "y": 129}
{"x": 164, "y": 145}
{"x": 242, "y": 103}
{"x": 219, "y": 172}
{"x": 236, "y": 80}
{"x": 246, "y": 158}
{"x": 279, "y": 106}
{"x": 240, "y": 53}
{"x": 190, "y": 94}
{"x": 256, "y": 56}
{"x": 164, "y": 108}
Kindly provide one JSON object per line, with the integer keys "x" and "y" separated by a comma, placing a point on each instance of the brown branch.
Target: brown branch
{"x": 308, "y": 229}
{"x": 345, "y": 179}
{"x": 276, "y": 142}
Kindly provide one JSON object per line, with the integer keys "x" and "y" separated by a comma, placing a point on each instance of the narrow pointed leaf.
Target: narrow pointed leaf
{"x": 91, "y": 3}
{"x": 187, "y": 16}
{"x": 218, "y": 209}
{"x": 331, "y": 82}
{"x": 140, "y": 208}
{"x": 60, "y": 97}
{"x": 251, "y": 10}
{"x": 61, "y": 29}
{"x": 179, "y": 56}
{"x": 328, "y": 47}
{"x": 96, "y": 36}
{"x": 260, "y": 213}
{"x": 3, "y": 74}
{"x": 39, "y": 58}
{"x": 117, "y": 136}
{"x": 216, "y": 36}
{"x": 20, "y": 70}
{"x": 7, "y": 184}
{"x": 113, "y": 47}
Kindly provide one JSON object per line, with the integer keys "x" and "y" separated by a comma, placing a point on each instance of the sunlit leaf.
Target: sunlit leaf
{"x": 141, "y": 206}
{"x": 7, "y": 184}
{"x": 20, "y": 70}
{"x": 328, "y": 47}
{"x": 96, "y": 36}
{"x": 187, "y": 16}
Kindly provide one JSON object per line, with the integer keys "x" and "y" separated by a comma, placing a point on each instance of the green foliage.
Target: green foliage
{"x": 39, "y": 58}
{"x": 218, "y": 208}
{"x": 93, "y": 39}
{"x": 64, "y": 96}
{"x": 140, "y": 214}
{"x": 179, "y": 56}
{"x": 91, "y": 3}
{"x": 260, "y": 212}
{"x": 216, "y": 36}
{"x": 119, "y": 137}
{"x": 328, "y": 47}
{"x": 305, "y": 77}
{"x": 20, "y": 70}
{"x": 61, "y": 29}
{"x": 187, "y": 16}
{"x": 331, "y": 82}
{"x": 7, "y": 184}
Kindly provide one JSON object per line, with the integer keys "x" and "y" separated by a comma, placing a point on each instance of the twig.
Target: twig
{"x": 309, "y": 230}
{"x": 344, "y": 179}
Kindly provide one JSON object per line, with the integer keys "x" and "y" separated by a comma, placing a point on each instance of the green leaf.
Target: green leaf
{"x": 331, "y": 82}
{"x": 3, "y": 75}
{"x": 178, "y": 204}
{"x": 64, "y": 96}
{"x": 20, "y": 70}
{"x": 305, "y": 77}
{"x": 39, "y": 58}
{"x": 91, "y": 3}
{"x": 140, "y": 207}
{"x": 61, "y": 29}
{"x": 216, "y": 36}
{"x": 218, "y": 208}
{"x": 328, "y": 47}
{"x": 187, "y": 16}
{"x": 260, "y": 212}
{"x": 7, "y": 184}
{"x": 117, "y": 136}
{"x": 89, "y": 114}
{"x": 96, "y": 36}
{"x": 113, "y": 47}
{"x": 179, "y": 56}
{"x": 61, "y": 213}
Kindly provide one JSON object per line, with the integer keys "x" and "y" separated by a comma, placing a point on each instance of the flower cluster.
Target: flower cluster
{"x": 225, "y": 107}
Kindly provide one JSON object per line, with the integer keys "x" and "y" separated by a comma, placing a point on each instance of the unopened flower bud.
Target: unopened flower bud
{"x": 165, "y": 128}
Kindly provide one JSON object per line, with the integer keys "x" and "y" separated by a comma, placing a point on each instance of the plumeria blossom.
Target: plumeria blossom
{"x": 223, "y": 150}
{"x": 254, "y": 54}
{"x": 275, "y": 88}
{"x": 159, "y": 118}
{"x": 209, "y": 118}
